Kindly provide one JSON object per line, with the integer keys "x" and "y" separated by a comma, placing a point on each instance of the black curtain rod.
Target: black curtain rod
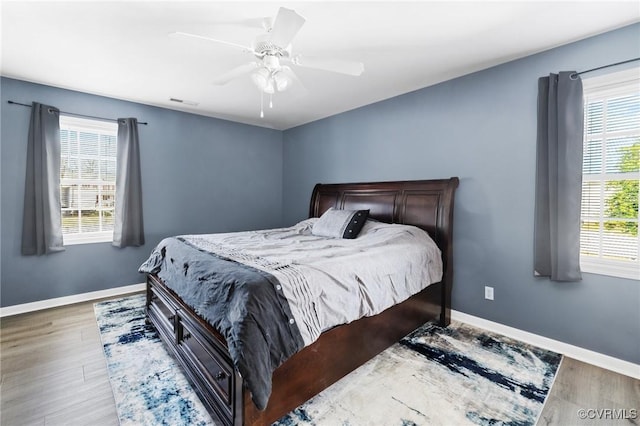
{"x": 574, "y": 75}
{"x": 77, "y": 115}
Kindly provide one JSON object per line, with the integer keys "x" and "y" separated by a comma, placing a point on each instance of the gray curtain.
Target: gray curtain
{"x": 128, "y": 226}
{"x": 559, "y": 177}
{"x": 42, "y": 217}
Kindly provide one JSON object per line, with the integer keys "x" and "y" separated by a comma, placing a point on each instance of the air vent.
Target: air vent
{"x": 182, "y": 101}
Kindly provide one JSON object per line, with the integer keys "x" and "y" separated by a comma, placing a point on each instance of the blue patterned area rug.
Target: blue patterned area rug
{"x": 459, "y": 375}
{"x": 148, "y": 386}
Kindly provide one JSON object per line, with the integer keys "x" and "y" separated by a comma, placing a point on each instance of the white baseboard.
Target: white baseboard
{"x": 600, "y": 360}
{"x": 68, "y": 300}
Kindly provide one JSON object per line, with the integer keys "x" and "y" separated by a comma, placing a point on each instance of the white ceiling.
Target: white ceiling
{"x": 123, "y": 49}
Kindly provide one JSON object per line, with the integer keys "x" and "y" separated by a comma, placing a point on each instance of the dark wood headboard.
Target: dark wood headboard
{"x": 427, "y": 204}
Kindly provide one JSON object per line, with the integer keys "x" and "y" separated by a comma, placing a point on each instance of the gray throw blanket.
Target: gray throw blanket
{"x": 244, "y": 304}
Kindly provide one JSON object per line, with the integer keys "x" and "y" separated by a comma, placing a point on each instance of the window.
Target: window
{"x": 87, "y": 179}
{"x": 609, "y": 241}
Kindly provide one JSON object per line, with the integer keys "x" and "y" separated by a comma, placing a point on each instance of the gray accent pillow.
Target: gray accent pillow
{"x": 336, "y": 223}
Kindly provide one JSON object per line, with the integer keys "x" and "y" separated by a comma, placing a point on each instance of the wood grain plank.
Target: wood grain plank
{"x": 581, "y": 386}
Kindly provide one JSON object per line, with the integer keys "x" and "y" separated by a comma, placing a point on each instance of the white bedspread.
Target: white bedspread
{"x": 328, "y": 281}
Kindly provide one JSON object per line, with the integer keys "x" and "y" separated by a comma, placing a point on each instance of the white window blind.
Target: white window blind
{"x": 87, "y": 179}
{"x": 609, "y": 239}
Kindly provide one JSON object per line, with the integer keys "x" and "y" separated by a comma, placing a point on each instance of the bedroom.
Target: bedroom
{"x": 265, "y": 177}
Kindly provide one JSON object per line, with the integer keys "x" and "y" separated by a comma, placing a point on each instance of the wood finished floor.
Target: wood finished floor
{"x": 53, "y": 372}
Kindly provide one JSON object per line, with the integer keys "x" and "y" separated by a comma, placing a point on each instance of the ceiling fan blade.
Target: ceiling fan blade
{"x": 285, "y": 27}
{"x": 341, "y": 66}
{"x": 228, "y": 43}
{"x": 235, "y": 73}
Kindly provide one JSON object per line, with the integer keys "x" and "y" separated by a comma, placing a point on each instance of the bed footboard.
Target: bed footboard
{"x": 199, "y": 349}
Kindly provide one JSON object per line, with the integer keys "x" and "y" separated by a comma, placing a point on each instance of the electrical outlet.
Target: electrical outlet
{"x": 488, "y": 293}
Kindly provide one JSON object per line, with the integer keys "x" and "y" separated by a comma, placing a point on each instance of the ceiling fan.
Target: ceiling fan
{"x": 270, "y": 70}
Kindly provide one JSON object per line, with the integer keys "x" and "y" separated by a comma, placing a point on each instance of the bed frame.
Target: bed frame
{"x": 202, "y": 351}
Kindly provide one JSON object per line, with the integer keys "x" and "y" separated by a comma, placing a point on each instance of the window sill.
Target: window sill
{"x": 98, "y": 237}
{"x": 628, "y": 270}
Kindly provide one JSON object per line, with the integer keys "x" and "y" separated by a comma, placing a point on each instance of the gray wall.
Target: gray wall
{"x": 482, "y": 128}
{"x": 199, "y": 175}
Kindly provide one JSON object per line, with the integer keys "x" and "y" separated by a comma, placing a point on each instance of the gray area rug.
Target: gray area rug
{"x": 459, "y": 375}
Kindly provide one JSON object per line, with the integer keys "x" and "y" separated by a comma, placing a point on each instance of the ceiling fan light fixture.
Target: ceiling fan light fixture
{"x": 271, "y": 62}
{"x": 261, "y": 78}
{"x": 282, "y": 80}
{"x": 269, "y": 89}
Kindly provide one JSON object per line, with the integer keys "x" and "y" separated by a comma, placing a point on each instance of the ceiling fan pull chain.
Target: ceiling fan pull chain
{"x": 261, "y": 104}
{"x": 271, "y": 100}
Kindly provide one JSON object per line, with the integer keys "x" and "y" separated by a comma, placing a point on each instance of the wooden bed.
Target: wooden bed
{"x": 201, "y": 350}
